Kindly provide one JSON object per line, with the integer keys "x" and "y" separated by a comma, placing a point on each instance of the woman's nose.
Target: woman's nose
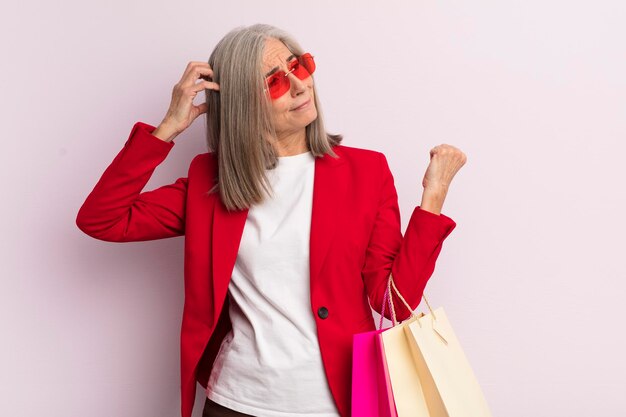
{"x": 297, "y": 85}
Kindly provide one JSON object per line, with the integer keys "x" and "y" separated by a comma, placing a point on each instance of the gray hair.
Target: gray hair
{"x": 239, "y": 124}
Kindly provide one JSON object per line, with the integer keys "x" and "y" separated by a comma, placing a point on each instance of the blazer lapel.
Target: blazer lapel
{"x": 329, "y": 194}
{"x": 329, "y": 198}
{"x": 227, "y": 231}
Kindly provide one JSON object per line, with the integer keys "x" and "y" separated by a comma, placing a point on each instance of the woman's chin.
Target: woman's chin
{"x": 311, "y": 115}
{"x": 300, "y": 121}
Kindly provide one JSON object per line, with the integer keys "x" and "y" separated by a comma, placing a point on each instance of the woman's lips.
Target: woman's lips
{"x": 302, "y": 106}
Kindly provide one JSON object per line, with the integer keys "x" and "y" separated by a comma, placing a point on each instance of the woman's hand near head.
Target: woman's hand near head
{"x": 182, "y": 112}
{"x": 445, "y": 162}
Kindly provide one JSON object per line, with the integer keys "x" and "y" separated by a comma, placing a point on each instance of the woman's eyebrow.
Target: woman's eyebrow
{"x": 289, "y": 58}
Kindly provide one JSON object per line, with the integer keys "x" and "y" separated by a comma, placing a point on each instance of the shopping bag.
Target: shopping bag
{"x": 429, "y": 372}
{"x": 403, "y": 374}
{"x": 371, "y": 387}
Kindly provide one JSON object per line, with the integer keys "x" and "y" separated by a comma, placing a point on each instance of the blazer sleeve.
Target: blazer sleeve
{"x": 117, "y": 211}
{"x": 411, "y": 259}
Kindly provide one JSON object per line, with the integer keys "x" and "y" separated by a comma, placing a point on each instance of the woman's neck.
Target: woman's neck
{"x": 291, "y": 144}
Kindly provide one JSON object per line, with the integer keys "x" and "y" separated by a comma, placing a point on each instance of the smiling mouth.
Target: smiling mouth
{"x": 306, "y": 103}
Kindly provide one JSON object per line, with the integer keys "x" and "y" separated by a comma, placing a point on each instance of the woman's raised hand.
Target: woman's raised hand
{"x": 182, "y": 111}
{"x": 445, "y": 162}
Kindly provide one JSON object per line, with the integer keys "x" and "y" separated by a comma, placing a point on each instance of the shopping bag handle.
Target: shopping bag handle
{"x": 382, "y": 309}
{"x": 390, "y": 284}
{"x": 388, "y": 302}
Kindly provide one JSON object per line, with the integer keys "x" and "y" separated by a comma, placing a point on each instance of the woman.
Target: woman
{"x": 289, "y": 235}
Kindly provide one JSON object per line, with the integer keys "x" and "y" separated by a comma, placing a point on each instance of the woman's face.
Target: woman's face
{"x": 295, "y": 109}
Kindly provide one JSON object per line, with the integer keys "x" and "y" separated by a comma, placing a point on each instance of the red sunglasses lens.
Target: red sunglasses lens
{"x": 279, "y": 83}
{"x": 306, "y": 60}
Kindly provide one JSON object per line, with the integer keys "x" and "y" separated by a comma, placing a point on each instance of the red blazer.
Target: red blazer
{"x": 355, "y": 243}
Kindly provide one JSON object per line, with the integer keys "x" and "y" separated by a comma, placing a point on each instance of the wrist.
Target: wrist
{"x": 165, "y": 132}
{"x": 433, "y": 198}
{"x": 436, "y": 189}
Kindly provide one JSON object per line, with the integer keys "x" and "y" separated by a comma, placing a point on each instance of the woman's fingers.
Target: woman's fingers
{"x": 449, "y": 153}
{"x": 445, "y": 161}
{"x": 195, "y": 70}
{"x": 205, "y": 85}
{"x": 182, "y": 112}
{"x": 201, "y": 108}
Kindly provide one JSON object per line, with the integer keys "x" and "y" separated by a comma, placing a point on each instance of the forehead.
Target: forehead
{"x": 275, "y": 54}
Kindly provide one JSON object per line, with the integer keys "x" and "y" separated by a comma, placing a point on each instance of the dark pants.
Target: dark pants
{"x": 213, "y": 409}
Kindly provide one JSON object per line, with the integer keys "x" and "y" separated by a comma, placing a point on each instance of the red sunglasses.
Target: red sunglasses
{"x": 278, "y": 83}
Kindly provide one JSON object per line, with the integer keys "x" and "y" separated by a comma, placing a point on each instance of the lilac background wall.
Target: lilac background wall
{"x": 532, "y": 278}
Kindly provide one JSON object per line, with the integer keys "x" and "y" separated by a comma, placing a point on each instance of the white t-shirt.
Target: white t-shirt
{"x": 270, "y": 363}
